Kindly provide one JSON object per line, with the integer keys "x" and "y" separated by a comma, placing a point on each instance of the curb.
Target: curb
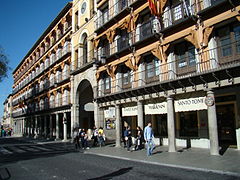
{"x": 168, "y": 165}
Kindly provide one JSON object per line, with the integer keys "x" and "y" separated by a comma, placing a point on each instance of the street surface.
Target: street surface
{"x": 26, "y": 160}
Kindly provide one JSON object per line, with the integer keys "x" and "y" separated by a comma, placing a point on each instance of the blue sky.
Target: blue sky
{"x": 22, "y": 23}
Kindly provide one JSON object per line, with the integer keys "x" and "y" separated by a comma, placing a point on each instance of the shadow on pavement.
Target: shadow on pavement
{"x": 4, "y": 174}
{"x": 12, "y": 158}
{"x": 113, "y": 174}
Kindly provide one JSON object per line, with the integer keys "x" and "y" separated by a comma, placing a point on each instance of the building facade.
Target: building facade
{"x": 7, "y": 120}
{"x": 42, "y": 86}
{"x": 174, "y": 65}
{"x": 83, "y": 65}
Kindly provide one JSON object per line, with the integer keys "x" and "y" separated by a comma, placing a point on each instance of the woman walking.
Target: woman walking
{"x": 139, "y": 139}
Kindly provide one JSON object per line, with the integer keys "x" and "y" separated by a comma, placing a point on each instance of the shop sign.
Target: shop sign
{"x": 89, "y": 107}
{"x": 110, "y": 124}
{"x": 110, "y": 113}
{"x": 191, "y": 104}
{"x": 129, "y": 111}
{"x": 158, "y": 108}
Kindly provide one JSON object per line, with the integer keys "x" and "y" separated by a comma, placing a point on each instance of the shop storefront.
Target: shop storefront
{"x": 129, "y": 118}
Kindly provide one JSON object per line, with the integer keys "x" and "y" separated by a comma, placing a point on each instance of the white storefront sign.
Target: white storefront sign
{"x": 191, "y": 104}
{"x": 89, "y": 107}
{"x": 109, "y": 113}
{"x": 158, "y": 108}
{"x": 129, "y": 111}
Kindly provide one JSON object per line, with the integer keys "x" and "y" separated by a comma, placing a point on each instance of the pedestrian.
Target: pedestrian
{"x": 85, "y": 141}
{"x": 128, "y": 138}
{"x": 101, "y": 137}
{"x": 95, "y": 136}
{"x": 139, "y": 139}
{"x": 148, "y": 136}
{"x": 76, "y": 139}
{"x": 82, "y": 135}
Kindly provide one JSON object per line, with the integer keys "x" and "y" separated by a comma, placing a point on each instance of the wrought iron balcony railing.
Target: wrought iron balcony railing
{"x": 221, "y": 57}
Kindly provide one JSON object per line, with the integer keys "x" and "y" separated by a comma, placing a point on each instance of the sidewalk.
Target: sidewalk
{"x": 193, "y": 158}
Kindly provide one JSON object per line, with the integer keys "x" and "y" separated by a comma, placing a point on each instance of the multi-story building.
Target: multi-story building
{"x": 83, "y": 64}
{"x": 41, "y": 89}
{"x": 7, "y": 120}
{"x": 175, "y": 64}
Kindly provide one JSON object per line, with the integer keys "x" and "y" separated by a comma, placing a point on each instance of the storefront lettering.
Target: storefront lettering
{"x": 129, "y": 111}
{"x": 190, "y": 104}
{"x": 158, "y": 108}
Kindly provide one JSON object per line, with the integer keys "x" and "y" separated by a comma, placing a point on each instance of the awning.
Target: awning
{"x": 130, "y": 111}
{"x": 191, "y": 104}
{"x": 158, "y": 108}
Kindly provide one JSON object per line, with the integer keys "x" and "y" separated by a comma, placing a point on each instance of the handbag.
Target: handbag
{"x": 126, "y": 138}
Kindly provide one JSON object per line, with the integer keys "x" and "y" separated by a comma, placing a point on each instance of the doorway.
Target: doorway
{"x": 226, "y": 124}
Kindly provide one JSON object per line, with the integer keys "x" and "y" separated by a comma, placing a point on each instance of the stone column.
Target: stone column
{"x": 29, "y": 126}
{"x": 45, "y": 126}
{"x": 36, "y": 127}
{"x": 23, "y": 127}
{"x": 96, "y": 114}
{"x": 212, "y": 125}
{"x": 171, "y": 125}
{"x": 51, "y": 126}
{"x": 118, "y": 126}
{"x": 41, "y": 125}
{"x": 140, "y": 114}
{"x": 33, "y": 126}
{"x": 65, "y": 126}
{"x": 74, "y": 123}
{"x": 57, "y": 127}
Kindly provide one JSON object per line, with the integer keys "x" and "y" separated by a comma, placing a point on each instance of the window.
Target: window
{"x": 228, "y": 39}
{"x": 105, "y": 48}
{"x": 123, "y": 40}
{"x": 85, "y": 50}
{"x": 76, "y": 21}
{"x": 185, "y": 58}
{"x": 121, "y": 4}
{"x": 159, "y": 124}
{"x": 107, "y": 84}
{"x": 146, "y": 26}
{"x": 76, "y": 59}
{"x": 105, "y": 15}
{"x": 152, "y": 68}
{"x": 126, "y": 78}
{"x": 188, "y": 124}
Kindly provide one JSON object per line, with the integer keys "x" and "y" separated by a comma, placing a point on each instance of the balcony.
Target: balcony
{"x": 111, "y": 13}
{"x": 205, "y": 6}
{"x": 214, "y": 63}
{"x": 147, "y": 29}
{"x": 122, "y": 42}
{"x": 62, "y": 76}
{"x": 177, "y": 13}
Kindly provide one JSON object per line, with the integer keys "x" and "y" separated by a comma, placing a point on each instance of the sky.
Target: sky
{"x": 22, "y": 23}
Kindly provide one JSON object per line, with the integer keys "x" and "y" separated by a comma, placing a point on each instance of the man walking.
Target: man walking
{"x": 148, "y": 136}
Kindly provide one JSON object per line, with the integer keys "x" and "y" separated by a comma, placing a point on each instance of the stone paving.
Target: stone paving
{"x": 192, "y": 158}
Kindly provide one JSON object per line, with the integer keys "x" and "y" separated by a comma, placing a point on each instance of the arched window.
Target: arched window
{"x": 52, "y": 58}
{"x": 85, "y": 50}
{"x": 66, "y": 47}
{"x": 52, "y": 101}
{"x": 66, "y": 97}
{"x": 65, "y": 73}
{"x": 65, "y": 26}
{"x": 59, "y": 53}
{"x": 47, "y": 63}
{"x": 52, "y": 79}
